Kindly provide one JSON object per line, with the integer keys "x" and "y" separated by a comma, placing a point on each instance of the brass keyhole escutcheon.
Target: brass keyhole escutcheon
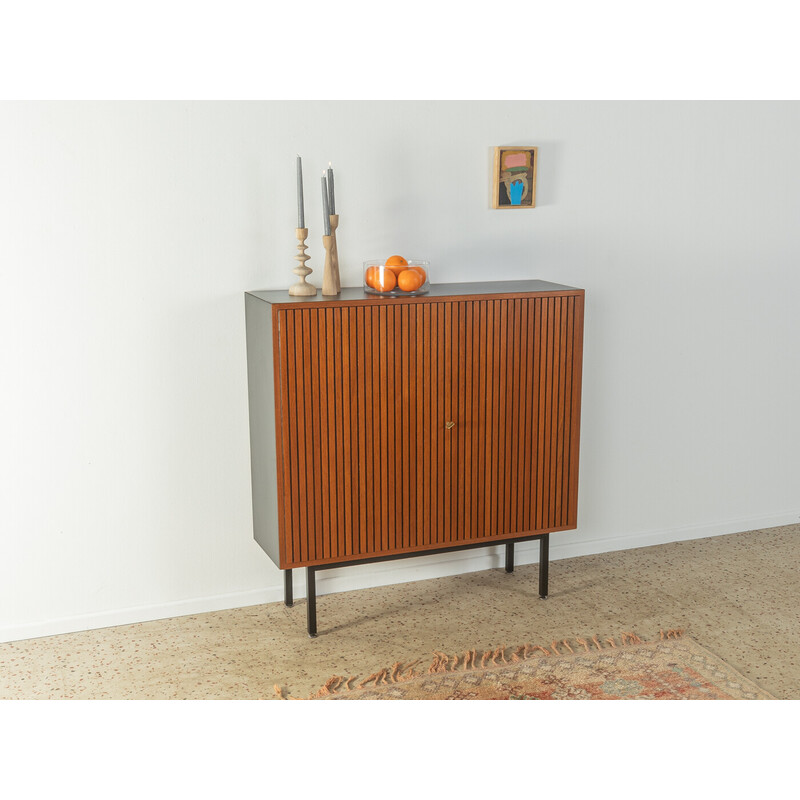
{"x": 449, "y": 425}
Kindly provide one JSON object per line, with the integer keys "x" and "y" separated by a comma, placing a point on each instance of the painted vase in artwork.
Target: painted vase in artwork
{"x": 515, "y": 169}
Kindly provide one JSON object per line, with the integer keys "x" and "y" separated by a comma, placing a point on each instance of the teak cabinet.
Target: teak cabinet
{"x": 387, "y": 427}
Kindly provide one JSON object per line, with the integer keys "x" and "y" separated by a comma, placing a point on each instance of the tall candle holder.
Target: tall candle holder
{"x": 335, "y": 252}
{"x": 329, "y": 286}
{"x": 301, "y": 288}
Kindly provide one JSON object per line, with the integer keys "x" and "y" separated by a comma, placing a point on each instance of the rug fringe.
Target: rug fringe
{"x": 441, "y": 662}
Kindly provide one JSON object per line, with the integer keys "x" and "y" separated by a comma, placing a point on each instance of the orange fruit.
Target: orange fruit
{"x": 396, "y": 264}
{"x": 388, "y": 280}
{"x": 380, "y": 279}
{"x": 371, "y": 277}
{"x": 421, "y": 272}
{"x": 410, "y": 280}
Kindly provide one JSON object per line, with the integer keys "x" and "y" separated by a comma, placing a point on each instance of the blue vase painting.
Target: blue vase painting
{"x": 515, "y": 177}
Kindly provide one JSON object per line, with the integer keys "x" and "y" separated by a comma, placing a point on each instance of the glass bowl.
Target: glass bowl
{"x": 387, "y": 280}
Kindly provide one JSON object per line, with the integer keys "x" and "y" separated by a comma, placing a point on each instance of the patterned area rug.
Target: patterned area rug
{"x": 623, "y": 668}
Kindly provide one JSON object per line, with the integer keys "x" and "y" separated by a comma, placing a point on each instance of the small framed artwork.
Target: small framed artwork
{"x": 514, "y": 179}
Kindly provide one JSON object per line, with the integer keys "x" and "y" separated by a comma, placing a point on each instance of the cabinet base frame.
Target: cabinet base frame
{"x": 311, "y": 592}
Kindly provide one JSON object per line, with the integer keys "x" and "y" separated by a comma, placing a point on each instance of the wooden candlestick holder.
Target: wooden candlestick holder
{"x": 335, "y": 252}
{"x": 301, "y": 288}
{"x": 328, "y": 278}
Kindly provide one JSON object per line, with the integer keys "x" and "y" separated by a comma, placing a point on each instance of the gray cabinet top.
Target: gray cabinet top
{"x": 355, "y": 294}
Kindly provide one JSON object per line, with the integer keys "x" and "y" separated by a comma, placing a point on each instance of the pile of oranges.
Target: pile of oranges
{"x": 395, "y": 274}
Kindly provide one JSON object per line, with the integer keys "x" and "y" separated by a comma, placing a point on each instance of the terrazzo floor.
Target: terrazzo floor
{"x": 737, "y": 595}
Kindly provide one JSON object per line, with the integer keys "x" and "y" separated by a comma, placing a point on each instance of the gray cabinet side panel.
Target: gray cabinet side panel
{"x": 261, "y": 398}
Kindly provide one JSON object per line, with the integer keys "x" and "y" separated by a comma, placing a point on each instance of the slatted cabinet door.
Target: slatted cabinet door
{"x": 407, "y": 426}
{"x": 355, "y": 431}
{"x": 506, "y": 461}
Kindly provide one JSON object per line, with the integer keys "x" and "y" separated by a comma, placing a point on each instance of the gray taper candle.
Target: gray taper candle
{"x": 331, "y": 199}
{"x": 326, "y": 214}
{"x": 301, "y": 215}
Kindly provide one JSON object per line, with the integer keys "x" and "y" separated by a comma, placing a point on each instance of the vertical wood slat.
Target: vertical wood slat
{"x": 481, "y": 428}
{"x": 514, "y": 428}
{"x": 544, "y": 420}
{"x": 561, "y": 454}
{"x": 491, "y": 417}
{"x": 409, "y": 479}
{"x": 361, "y": 412}
{"x": 426, "y": 387}
{"x": 553, "y": 452}
{"x": 502, "y": 417}
{"x": 550, "y": 397}
{"x": 290, "y": 432}
{"x": 383, "y": 491}
{"x": 558, "y": 412}
{"x": 508, "y": 410}
{"x": 329, "y": 391}
{"x": 462, "y": 420}
{"x": 338, "y": 467}
{"x": 568, "y": 315}
{"x": 323, "y": 476}
{"x": 474, "y": 487}
{"x": 568, "y": 440}
{"x": 535, "y": 413}
{"x": 316, "y": 426}
{"x": 566, "y": 433}
{"x": 553, "y": 442}
{"x": 395, "y": 402}
{"x": 388, "y": 430}
{"x": 367, "y": 463}
{"x": 351, "y": 407}
{"x": 405, "y": 487}
{"x": 466, "y": 424}
{"x": 418, "y": 466}
{"x": 521, "y": 348}
{"x": 300, "y": 428}
{"x": 551, "y": 379}
{"x": 445, "y": 351}
{"x": 290, "y": 530}
{"x": 528, "y": 491}
{"x": 455, "y": 432}
{"x": 437, "y": 414}
{"x": 378, "y": 493}
{"x": 366, "y": 427}
{"x": 575, "y": 409}
{"x": 558, "y": 415}
{"x": 342, "y": 432}
{"x": 536, "y": 401}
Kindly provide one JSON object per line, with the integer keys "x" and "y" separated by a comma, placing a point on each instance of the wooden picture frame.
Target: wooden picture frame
{"x": 514, "y": 177}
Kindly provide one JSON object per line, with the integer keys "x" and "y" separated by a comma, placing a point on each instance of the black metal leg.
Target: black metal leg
{"x": 544, "y": 564}
{"x": 311, "y": 595}
{"x": 288, "y": 597}
{"x": 509, "y": 556}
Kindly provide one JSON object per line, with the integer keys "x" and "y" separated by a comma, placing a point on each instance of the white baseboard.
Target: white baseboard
{"x": 391, "y": 572}
{"x": 566, "y": 545}
{"x": 134, "y": 614}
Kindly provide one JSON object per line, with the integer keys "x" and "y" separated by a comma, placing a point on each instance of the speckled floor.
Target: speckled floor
{"x": 737, "y": 595}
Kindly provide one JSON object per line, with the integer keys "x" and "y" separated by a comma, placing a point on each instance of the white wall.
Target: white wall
{"x": 129, "y": 232}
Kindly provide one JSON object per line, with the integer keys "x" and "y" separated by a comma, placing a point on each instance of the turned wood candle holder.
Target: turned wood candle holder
{"x": 301, "y": 288}
{"x": 329, "y": 286}
{"x": 335, "y": 252}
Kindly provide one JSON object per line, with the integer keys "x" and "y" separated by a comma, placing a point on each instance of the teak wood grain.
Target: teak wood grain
{"x": 364, "y": 392}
